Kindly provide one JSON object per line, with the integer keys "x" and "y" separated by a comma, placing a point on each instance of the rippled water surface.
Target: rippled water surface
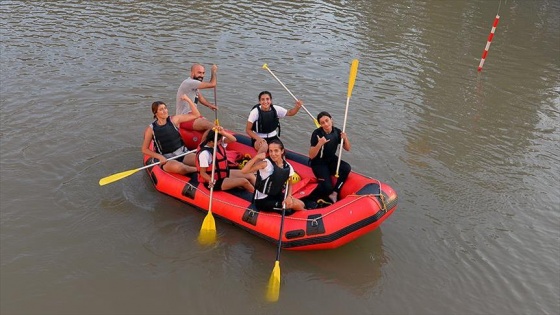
{"x": 474, "y": 156}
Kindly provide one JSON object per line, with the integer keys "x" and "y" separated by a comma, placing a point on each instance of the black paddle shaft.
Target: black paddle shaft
{"x": 282, "y": 221}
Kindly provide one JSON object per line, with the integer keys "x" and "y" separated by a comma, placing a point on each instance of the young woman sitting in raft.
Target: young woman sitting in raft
{"x": 273, "y": 173}
{"x": 164, "y": 131}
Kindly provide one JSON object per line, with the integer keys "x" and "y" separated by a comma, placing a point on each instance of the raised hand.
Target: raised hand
{"x": 322, "y": 140}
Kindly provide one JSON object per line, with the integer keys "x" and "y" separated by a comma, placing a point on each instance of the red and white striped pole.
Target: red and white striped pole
{"x": 496, "y": 20}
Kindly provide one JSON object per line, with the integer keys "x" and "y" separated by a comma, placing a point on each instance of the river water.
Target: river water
{"x": 474, "y": 156}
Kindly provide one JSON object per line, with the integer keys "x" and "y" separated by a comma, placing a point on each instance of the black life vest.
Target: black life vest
{"x": 276, "y": 182}
{"x": 268, "y": 121}
{"x": 166, "y": 138}
{"x": 328, "y": 150}
{"x": 222, "y": 168}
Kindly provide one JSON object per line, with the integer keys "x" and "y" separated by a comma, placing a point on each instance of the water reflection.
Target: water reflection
{"x": 356, "y": 267}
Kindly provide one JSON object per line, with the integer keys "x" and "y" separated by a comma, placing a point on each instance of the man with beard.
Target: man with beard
{"x": 191, "y": 87}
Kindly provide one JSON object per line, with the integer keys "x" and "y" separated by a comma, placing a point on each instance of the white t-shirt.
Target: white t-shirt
{"x": 254, "y": 115}
{"x": 267, "y": 171}
{"x": 205, "y": 157}
{"x": 189, "y": 87}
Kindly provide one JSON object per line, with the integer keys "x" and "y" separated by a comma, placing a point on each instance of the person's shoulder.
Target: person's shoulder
{"x": 280, "y": 111}
{"x": 268, "y": 162}
{"x": 254, "y": 111}
{"x": 191, "y": 82}
{"x": 203, "y": 151}
{"x": 290, "y": 166}
{"x": 204, "y": 156}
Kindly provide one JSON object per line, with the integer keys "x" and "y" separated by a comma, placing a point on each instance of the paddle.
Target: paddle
{"x": 121, "y": 175}
{"x": 351, "y": 80}
{"x": 265, "y": 66}
{"x": 207, "y": 233}
{"x": 216, "y": 122}
{"x": 273, "y": 292}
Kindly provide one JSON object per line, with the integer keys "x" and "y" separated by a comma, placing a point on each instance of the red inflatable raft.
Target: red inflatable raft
{"x": 364, "y": 202}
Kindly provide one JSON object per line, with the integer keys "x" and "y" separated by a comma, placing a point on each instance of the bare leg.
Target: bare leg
{"x": 294, "y": 203}
{"x": 202, "y": 124}
{"x": 230, "y": 183}
{"x": 190, "y": 159}
{"x": 239, "y": 174}
{"x": 178, "y": 167}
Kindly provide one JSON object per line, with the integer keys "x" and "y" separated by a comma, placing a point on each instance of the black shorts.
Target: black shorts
{"x": 217, "y": 185}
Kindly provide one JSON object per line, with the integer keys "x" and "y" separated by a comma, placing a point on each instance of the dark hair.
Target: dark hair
{"x": 278, "y": 142}
{"x": 210, "y": 136}
{"x": 323, "y": 114}
{"x": 155, "y": 106}
{"x": 263, "y": 93}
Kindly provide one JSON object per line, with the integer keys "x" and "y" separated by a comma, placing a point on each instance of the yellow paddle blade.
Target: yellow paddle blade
{"x": 208, "y": 233}
{"x": 265, "y": 66}
{"x": 207, "y": 237}
{"x": 316, "y": 123}
{"x": 273, "y": 289}
{"x": 116, "y": 177}
{"x": 352, "y": 77}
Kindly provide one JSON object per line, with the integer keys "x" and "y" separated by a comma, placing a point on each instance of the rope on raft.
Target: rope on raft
{"x": 376, "y": 197}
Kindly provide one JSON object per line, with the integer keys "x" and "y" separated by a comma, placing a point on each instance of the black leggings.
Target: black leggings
{"x": 324, "y": 171}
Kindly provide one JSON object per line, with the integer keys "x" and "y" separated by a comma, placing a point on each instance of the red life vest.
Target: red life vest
{"x": 222, "y": 168}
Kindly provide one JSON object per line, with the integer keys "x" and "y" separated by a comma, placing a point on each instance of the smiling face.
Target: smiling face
{"x": 265, "y": 100}
{"x": 159, "y": 109}
{"x": 276, "y": 152}
{"x": 162, "y": 112}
